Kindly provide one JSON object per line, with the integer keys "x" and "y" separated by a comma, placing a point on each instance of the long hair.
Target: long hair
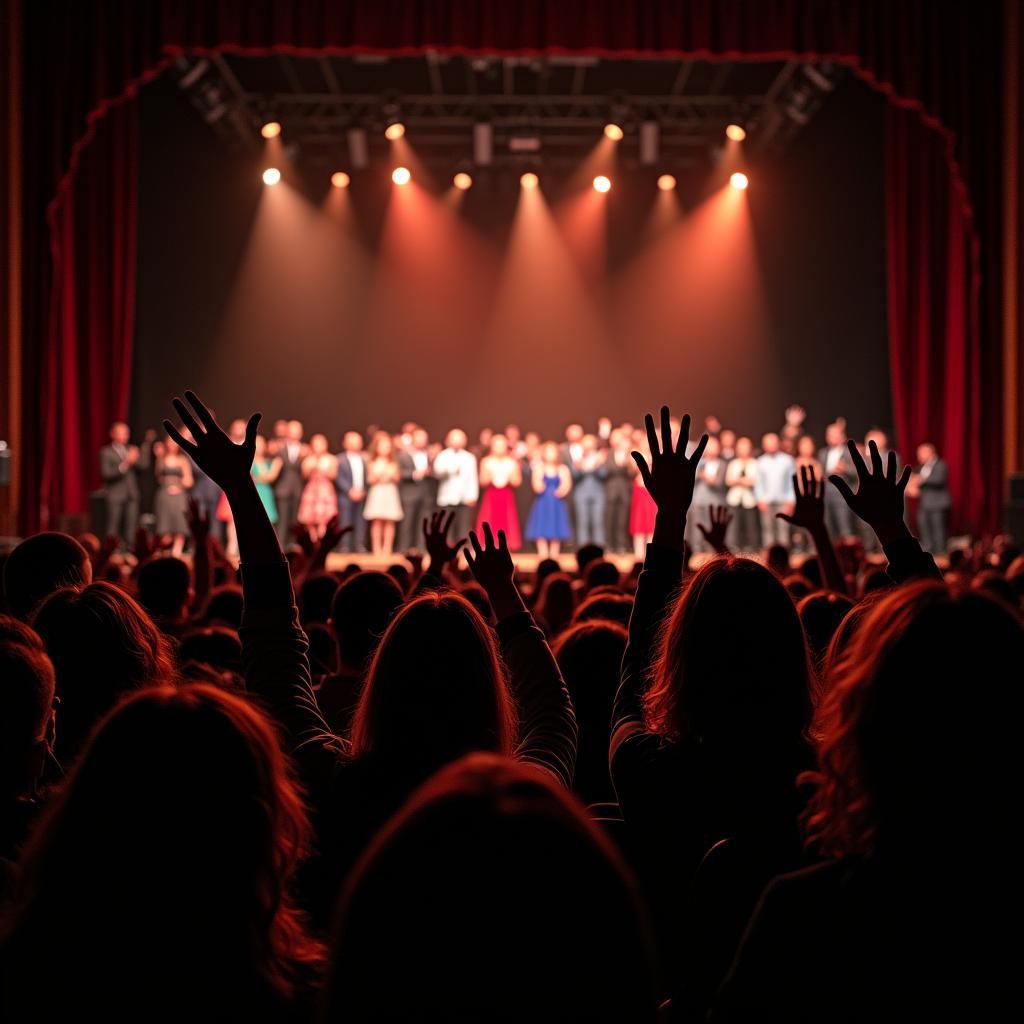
{"x": 166, "y": 860}
{"x": 910, "y": 738}
{"x": 731, "y": 662}
{"x": 436, "y": 687}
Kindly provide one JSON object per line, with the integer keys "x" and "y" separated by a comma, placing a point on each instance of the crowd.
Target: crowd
{"x": 543, "y": 494}
{"x": 454, "y": 791}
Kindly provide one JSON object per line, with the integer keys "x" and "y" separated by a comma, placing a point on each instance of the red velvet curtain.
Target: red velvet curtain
{"x": 936, "y": 59}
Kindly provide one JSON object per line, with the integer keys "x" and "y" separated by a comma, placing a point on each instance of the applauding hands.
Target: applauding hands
{"x": 879, "y": 500}
{"x": 491, "y": 566}
{"x": 809, "y": 509}
{"x": 435, "y": 536}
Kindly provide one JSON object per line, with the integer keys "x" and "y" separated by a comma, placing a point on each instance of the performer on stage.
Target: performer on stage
{"x": 740, "y": 480}
{"x": 643, "y": 509}
{"x": 414, "y": 489}
{"x": 173, "y": 479}
{"x": 265, "y": 471}
{"x": 237, "y": 434}
{"x": 929, "y": 483}
{"x": 117, "y": 468}
{"x": 835, "y": 461}
{"x": 548, "y": 524}
{"x": 351, "y": 481}
{"x": 383, "y": 507}
{"x": 288, "y": 488}
{"x": 319, "y": 502}
{"x": 774, "y": 490}
{"x": 500, "y": 475}
{"x": 618, "y": 491}
{"x": 708, "y": 492}
{"x": 589, "y": 472}
{"x": 458, "y": 486}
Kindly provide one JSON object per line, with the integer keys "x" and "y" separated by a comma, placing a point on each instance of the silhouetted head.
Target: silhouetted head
{"x": 164, "y": 864}
{"x": 435, "y": 689}
{"x": 27, "y": 684}
{"x": 778, "y": 559}
{"x": 223, "y": 606}
{"x": 165, "y": 588}
{"x": 731, "y": 667}
{"x": 215, "y": 646}
{"x": 601, "y": 573}
{"x": 315, "y": 596}
{"x": 607, "y": 603}
{"x": 14, "y": 631}
{"x": 490, "y": 896}
{"x": 587, "y": 553}
{"x": 102, "y": 645}
{"x": 556, "y": 602}
{"x": 40, "y": 565}
{"x": 821, "y": 615}
{"x": 996, "y": 585}
{"x": 360, "y": 612}
{"x": 919, "y": 739}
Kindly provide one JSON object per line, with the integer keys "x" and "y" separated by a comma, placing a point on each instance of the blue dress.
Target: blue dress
{"x": 549, "y": 518}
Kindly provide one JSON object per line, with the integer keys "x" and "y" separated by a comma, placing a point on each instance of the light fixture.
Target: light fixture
{"x": 394, "y": 131}
{"x": 462, "y": 181}
{"x": 739, "y": 180}
{"x": 271, "y": 130}
{"x": 271, "y": 176}
{"x": 339, "y": 179}
{"x": 613, "y": 132}
{"x": 401, "y": 176}
{"x": 529, "y": 180}
{"x": 602, "y": 183}
{"x": 666, "y": 183}
{"x": 735, "y": 131}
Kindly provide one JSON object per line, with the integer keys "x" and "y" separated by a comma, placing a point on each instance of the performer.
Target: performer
{"x": 288, "y": 488}
{"x": 500, "y": 475}
{"x": 173, "y": 479}
{"x": 643, "y": 509}
{"x": 618, "y": 491}
{"x": 351, "y": 481}
{"x": 740, "y": 480}
{"x": 458, "y": 486}
{"x": 589, "y": 473}
{"x": 414, "y": 489}
{"x": 265, "y": 471}
{"x": 319, "y": 502}
{"x": 929, "y": 483}
{"x": 793, "y": 428}
{"x": 383, "y": 507}
{"x": 774, "y": 490}
{"x": 708, "y": 491}
{"x": 117, "y": 468}
{"x": 548, "y": 524}
{"x": 835, "y": 461}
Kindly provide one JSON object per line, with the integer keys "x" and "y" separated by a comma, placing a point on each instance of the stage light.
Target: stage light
{"x": 462, "y": 181}
{"x": 271, "y": 130}
{"x": 401, "y": 176}
{"x": 394, "y": 131}
{"x": 529, "y": 180}
{"x": 613, "y": 132}
{"x": 602, "y": 183}
{"x": 339, "y": 179}
{"x": 739, "y": 180}
{"x": 666, "y": 183}
{"x": 271, "y": 176}
{"x": 736, "y": 132}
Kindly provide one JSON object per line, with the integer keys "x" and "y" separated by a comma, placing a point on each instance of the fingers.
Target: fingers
{"x": 652, "y": 437}
{"x": 641, "y": 462}
{"x": 185, "y": 414}
{"x": 251, "y": 428}
{"x": 426, "y": 526}
{"x": 175, "y": 435}
{"x": 502, "y": 541}
{"x": 704, "y": 530}
{"x": 798, "y": 485}
{"x": 488, "y": 537}
{"x": 843, "y": 487}
{"x": 475, "y": 541}
{"x": 876, "y": 458}
{"x": 666, "y": 431}
{"x": 202, "y": 412}
{"x": 901, "y": 484}
{"x": 447, "y": 524}
{"x": 698, "y": 452}
{"x": 783, "y": 516}
{"x": 858, "y": 461}
{"x": 890, "y": 468}
{"x": 684, "y": 435}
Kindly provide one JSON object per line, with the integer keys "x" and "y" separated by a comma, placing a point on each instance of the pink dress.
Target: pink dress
{"x": 642, "y": 511}
{"x": 319, "y": 502}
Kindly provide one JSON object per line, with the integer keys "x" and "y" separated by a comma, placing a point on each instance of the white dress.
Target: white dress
{"x": 383, "y": 502}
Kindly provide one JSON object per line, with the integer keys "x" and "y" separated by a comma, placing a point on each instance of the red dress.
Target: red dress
{"x": 498, "y": 507}
{"x": 642, "y": 511}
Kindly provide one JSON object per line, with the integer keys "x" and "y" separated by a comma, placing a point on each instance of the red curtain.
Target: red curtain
{"x": 936, "y": 59}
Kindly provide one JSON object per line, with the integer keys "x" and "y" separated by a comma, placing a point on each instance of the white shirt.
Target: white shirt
{"x": 775, "y": 478}
{"x": 355, "y": 460}
{"x": 457, "y": 478}
{"x": 420, "y": 461}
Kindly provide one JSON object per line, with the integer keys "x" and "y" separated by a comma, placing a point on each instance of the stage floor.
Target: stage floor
{"x": 525, "y": 562}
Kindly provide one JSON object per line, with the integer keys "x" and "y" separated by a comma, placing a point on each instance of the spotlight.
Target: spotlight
{"x": 666, "y": 183}
{"x": 462, "y": 181}
{"x": 271, "y": 130}
{"x": 613, "y": 132}
{"x": 529, "y": 180}
{"x": 602, "y": 183}
{"x": 736, "y": 132}
{"x": 271, "y": 176}
{"x": 401, "y": 176}
{"x": 739, "y": 180}
{"x": 394, "y": 131}
{"x": 339, "y": 179}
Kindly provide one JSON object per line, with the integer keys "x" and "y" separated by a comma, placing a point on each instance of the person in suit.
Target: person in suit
{"x": 289, "y": 485}
{"x": 708, "y": 491}
{"x": 117, "y": 468}
{"x": 414, "y": 489}
{"x": 353, "y": 469}
{"x": 835, "y": 461}
{"x": 929, "y": 483}
{"x": 618, "y": 492}
{"x": 589, "y": 472}
{"x": 773, "y": 489}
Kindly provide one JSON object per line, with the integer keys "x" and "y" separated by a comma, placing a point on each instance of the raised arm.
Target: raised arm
{"x": 879, "y": 501}
{"x": 809, "y": 514}
{"x": 548, "y": 733}
{"x": 275, "y": 652}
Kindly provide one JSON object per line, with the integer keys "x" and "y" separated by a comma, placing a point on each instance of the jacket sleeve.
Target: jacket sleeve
{"x": 909, "y": 561}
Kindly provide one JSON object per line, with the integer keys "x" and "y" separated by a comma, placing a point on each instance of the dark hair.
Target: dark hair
{"x": 215, "y": 646}
{"x": 40, "y": 565}
{"x": 778, "y": 559}
{"x": 606, "y": 603}
{"x": 360, "y": 612}
{"x": 586, "y": 554}
{"x": 601, "y": 573}
{"x": 102, "y": 645}
{"x": 323, "y": 651}
{"x": 163, "y": 586}
{"x": 996, "y": 585}
{"x": 27, "y": 685}
{"x": 223, "y": 606}
{"x": 164, "y": 865}
{"x": 316, "y": 596}
{"x": 490, "y": 866}
{"x": 14, "y": 631}
{"x": 556, "y": 603}
{"x": 400, "y": 574}
{"x": 821, "y": 614}
{"x": 797, "y": 586}
{"x": 908, "y": 744}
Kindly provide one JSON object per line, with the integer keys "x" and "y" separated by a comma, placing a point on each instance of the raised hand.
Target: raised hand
{"x": 198, "y": 522}
{"x": 809, "y": 509}
{"x": 435, "y": 535}
{"x": 879, "y": 500}
{"x": 714, "y": 532}
{"x": 304, "y": 538}
{"x": 226, "y": 463}
{"x": 492, "y": 567}
{"x": 333, "y": 533}
{"x": 670, "y": 476}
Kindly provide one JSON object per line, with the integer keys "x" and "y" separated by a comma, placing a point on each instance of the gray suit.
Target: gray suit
{"x": 121, "y": 490}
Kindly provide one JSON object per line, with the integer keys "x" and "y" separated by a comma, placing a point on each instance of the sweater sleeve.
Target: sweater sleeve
{"x": 548, "y": 732}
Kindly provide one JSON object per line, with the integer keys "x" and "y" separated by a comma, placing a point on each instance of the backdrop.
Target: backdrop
{"x": 936, "y": 61}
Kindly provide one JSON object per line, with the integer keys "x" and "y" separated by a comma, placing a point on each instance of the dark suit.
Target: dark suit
{"x": 933, "y": 505}
{"x": 416, "y": 502}
{"x": 121, "y": 490}
{"x": 838, "y": 518}
{"x": 618, "y": 493}
{"x": 350, "y": 512}
{"x": 288, "y": 486}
